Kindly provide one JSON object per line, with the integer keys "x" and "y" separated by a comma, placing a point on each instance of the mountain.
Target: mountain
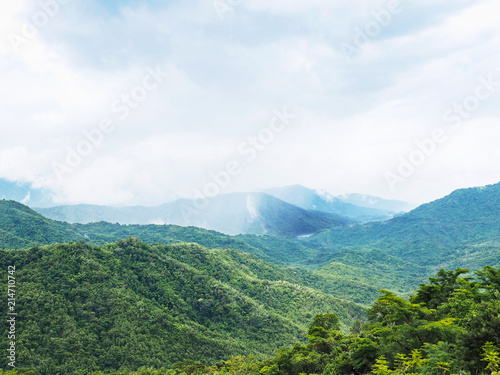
{"x": 462, "y": 228}
{"x": 276, "y": 250}
{"x": 127, "y": 304}
{"x": 370, "y": 201}
{"x": 248, "y": 213}
{"x": 21, "y": 227}
{"x": 320, "y": 200}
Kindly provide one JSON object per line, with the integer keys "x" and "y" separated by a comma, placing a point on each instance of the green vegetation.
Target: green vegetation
{"x": 373, "y": 268}
{"x": 451, "y": 325}
{"x": 438, "y": 234}
{"x": 21, "y": 227}
{"x": 84, "y": 308}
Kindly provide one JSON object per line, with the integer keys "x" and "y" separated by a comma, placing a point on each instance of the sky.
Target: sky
{"x": 140, "y": 102}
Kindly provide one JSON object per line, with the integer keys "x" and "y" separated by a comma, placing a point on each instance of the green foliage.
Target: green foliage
{"x": 491, "y": 357}
{"x": 327, "y": 321}
{"x": 380, "y": 367}
{"x": 400, "y": 337}
{"x": 440, "y": 288}
{"x": 459, "y": 230}
{"x": 21, "y": 227}
{"x": 128, "y": 304}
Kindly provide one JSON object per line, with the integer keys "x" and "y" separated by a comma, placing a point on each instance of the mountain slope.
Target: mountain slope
{"x": 375, "y": 268}
{"x": 434, "y": 234}
{"x": 319, "y": 200}
{"x": 22, "y": 227}
{"x": 252, "y": 213}
{"x": 276, "y": 250}
{"x": 127, "y": 304}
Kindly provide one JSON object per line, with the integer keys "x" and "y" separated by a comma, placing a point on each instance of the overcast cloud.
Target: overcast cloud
{"x": 205, "y": 78}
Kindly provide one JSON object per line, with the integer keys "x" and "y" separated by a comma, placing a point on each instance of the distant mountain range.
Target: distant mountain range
{"x": 357, "y": 207}
{"x": 287, "y": 211}
{"x": 250, "y": 213}
{"x": 370, "y": 201}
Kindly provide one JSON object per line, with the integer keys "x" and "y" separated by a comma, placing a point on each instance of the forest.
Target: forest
{"x": 449, "y": 325}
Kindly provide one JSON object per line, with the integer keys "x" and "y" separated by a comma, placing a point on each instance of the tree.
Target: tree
{"x": 440, "y": 287}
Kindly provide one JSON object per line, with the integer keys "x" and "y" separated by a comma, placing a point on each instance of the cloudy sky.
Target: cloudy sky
{"x": 136, "y": 102}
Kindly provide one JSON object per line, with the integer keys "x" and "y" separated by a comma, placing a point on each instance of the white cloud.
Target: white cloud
{"x": 224, "y": 80}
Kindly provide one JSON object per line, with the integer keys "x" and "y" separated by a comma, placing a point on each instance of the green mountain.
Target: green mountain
{"x": 127, "y": 304}
{"x": 194, "y": 294}
{"x": 21, "y": 227}
{"x": 450, "y": 326}
{"x": 460, "y": 230}
{"x": 449, "y": 231}
{"x": 276, "y": 250}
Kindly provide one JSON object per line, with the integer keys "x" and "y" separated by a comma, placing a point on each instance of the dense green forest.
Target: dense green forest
{"x": 83, "y": 308}
{"x": 27, "y": 228}
{"x": 447, "y": 232}
{"x": 450, "y": 325}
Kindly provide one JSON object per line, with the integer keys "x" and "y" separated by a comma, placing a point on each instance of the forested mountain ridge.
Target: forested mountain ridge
{"x": 338, "y": 281}
{"x": 451, "y": 325}
{"x": 22, "y": 227}
{"x": 276, "y": 250}
{"x": 127, "y": 303}
{"x": 461, "y": 229}
{"x": 434, "y": 234}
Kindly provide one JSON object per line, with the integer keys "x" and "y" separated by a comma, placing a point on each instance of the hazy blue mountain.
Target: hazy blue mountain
{"x": 320, "y": 200}
{"x": 236, "y": 213}
{"x": 370, "y": 201}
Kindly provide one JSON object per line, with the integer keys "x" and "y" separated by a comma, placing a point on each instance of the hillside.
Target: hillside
{"x": 276, "y": 250}
{"x": 21, "y": 227}
{"x": 436, "y": 234}
{"x": 128, "y": 304}
{"x": 236, "y": 213}
{"x": 460, "y": 230}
